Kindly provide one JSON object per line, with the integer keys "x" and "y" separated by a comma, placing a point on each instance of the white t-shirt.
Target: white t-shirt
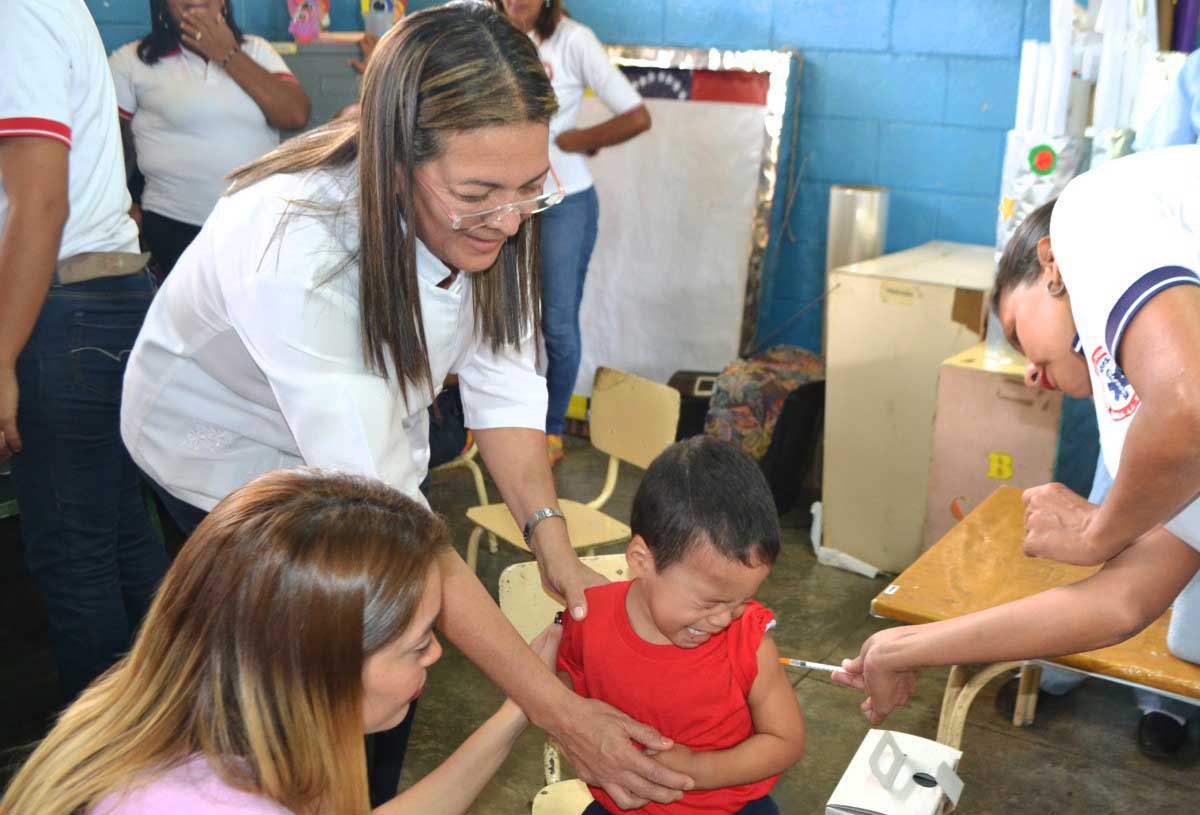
{"x": 576, "y": 62}
{"x": 1122, "y": 233}
{"x": 249, "y": 360}
{"x": 55, "y": 83}
{"x": 192, "y": 125}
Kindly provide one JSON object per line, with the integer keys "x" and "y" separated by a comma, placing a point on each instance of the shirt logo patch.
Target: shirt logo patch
{"x": 1120, "y": 398}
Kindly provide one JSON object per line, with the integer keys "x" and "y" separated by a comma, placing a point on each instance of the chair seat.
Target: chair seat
{"x": 587, "y": 527}
{"x": 564, "y": 798}
{"x": 525, "y": 601}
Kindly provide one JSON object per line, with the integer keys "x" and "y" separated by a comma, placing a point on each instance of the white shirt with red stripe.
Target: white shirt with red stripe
{"x": 192, "y": 125}
{"x": 55, "y": 84}
{"x": 1122, "y": 234}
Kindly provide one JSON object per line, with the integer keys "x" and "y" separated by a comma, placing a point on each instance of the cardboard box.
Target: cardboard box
{"x": 989, "y": 431}
{"x": 890, "y": 323}
{"x": 898, "y": 774}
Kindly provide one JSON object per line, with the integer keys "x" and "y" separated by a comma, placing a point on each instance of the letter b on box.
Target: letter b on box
{"x": 1000, "y": 466}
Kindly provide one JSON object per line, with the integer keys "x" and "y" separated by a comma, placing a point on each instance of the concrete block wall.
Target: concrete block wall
{"x": 914, "y": 95}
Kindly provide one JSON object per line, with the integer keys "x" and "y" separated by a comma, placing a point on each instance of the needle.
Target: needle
{"x": 808, "y": 666}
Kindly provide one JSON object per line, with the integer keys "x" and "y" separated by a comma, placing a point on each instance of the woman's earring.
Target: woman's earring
{"x": 1056, "y": 291}
{"x": 548, "y": 3}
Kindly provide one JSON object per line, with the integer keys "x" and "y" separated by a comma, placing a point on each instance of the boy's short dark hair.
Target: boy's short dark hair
{"x": 705, "y": 489}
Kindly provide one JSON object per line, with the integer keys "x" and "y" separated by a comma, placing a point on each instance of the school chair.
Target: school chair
{"x": 570, "y": 797}
{"x": 467, "y": 462}
{"x": 631, "y": 419}
{"x": 530, "y": 609}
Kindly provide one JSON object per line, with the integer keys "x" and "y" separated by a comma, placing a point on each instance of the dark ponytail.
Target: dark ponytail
{"x": 1020, "y": 265}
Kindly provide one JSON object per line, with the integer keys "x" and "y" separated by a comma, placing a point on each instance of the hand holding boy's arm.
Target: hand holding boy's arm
{"x": 777, "y": 743}
{"x": 457, "y": 782}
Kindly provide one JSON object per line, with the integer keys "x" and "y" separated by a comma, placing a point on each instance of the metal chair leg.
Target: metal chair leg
{"x": 480, "y": 491}
{"x": 473, "y": 547}
{"x": 551, "y": 763}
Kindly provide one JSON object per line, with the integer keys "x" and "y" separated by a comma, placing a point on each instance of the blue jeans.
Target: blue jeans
{"x": 760, "y": 806}
{"x": 88, "y": 540}
{"x": 185, "y": 516}
{"x": 568, "y": 237}
{"x": 1060, "y": 682}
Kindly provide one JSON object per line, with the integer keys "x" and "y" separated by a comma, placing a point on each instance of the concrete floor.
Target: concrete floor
{"x": 1079, "y": 758}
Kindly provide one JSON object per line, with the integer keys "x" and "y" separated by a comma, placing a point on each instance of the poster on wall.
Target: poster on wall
{"x": 684, "y": 212}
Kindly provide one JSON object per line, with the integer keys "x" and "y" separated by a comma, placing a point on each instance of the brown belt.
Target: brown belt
{"x": 92, "y": 265}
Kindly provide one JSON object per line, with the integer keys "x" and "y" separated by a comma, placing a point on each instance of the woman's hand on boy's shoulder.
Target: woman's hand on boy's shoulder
{"x": 565, "y": 575}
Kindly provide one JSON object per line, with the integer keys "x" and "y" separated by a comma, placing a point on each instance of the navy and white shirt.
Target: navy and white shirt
{"x": 1122, "y": 234}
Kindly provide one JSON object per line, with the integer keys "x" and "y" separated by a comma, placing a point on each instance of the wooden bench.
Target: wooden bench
{"x": 980, "y": 564}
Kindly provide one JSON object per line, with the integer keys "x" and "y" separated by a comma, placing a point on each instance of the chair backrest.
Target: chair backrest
{"x": 527, "y": 605}
{"x": 631, "y": 417}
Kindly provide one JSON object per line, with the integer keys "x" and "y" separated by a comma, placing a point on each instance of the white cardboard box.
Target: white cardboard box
{"x": 898, "y": 774}
{"x": 890, "y": 322}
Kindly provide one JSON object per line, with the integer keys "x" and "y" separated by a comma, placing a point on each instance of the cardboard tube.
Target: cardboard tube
{"x": 1027, "y": 85}
{"x": 857, "y": 224}
{"x": 1060, "y": 90}
{"x": 1045, "y": 78}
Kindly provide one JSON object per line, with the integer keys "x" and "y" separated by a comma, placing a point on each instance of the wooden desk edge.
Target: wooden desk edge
{"x": 1086, "y": 661}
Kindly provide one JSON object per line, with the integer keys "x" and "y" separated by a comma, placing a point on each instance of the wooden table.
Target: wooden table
{"x": 980, "y": 564}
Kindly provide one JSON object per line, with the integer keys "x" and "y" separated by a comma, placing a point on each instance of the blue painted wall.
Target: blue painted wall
{"x": 912, "y": 94}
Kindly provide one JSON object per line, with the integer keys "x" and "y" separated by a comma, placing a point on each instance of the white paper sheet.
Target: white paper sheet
{"x": 667, "y": 281}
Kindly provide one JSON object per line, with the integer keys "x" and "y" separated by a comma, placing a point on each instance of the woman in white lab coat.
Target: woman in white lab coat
{"x": 333, "y": 289}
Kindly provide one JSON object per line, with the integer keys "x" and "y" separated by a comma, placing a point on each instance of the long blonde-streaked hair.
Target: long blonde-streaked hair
{"x": 252, "y": 653}
{"x": 449, "y": 69}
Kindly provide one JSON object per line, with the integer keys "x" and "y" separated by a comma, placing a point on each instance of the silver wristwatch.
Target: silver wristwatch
{"x": 537, "y": 517}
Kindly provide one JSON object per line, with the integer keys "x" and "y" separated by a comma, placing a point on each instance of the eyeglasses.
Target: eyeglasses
{"x": 467, "y": 221}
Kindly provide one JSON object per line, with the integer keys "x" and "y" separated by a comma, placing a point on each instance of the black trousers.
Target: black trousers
{"x": 385, "y": 751}
{"x": 166, "y": 239}
{"x": 385, "y": 758}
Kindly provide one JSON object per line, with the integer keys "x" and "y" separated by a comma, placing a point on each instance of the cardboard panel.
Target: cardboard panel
{"x": 989, "y": 430}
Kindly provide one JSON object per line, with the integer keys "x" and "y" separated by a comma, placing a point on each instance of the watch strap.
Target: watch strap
{"x": 537, "y": 517}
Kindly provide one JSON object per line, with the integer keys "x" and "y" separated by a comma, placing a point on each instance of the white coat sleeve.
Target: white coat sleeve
{"x": 503, "y": 388}
{"x": 305, "y": 338}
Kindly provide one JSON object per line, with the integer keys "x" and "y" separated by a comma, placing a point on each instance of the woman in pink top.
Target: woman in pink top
{"x": 299, "y": 615}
